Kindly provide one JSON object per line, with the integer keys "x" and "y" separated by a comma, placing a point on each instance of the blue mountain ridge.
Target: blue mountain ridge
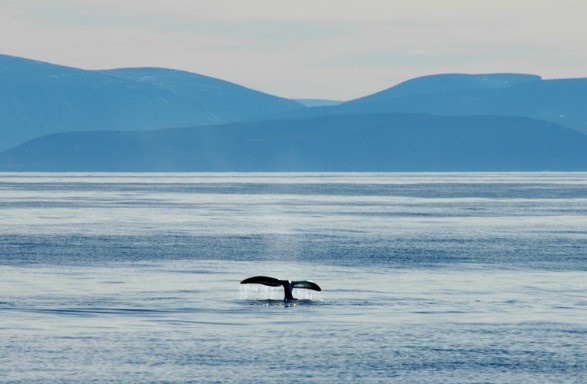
{"x": 38, "y": 98}
{"x": 561, "y": 101}
{"x": 371, "y": 142}
{"x": 121, "y": 119}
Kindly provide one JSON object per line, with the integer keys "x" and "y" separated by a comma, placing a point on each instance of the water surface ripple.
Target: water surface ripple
{"x": 426, "y": 278}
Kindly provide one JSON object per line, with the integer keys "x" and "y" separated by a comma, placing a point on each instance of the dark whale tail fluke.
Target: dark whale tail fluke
{"x": 286, "y": 284}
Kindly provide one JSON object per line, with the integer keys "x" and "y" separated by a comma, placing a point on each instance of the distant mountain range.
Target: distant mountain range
{"x": 370, "y": 142}
{"x": 55, "y": 118}
{"x": 559, "y": 101}
{"x": 38, "y": 98}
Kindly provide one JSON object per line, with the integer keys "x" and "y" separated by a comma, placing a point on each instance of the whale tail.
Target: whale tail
{"x": 287, "y": 285}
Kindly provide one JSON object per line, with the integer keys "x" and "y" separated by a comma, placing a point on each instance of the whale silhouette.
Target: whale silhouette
{"x": 287, "y": 285}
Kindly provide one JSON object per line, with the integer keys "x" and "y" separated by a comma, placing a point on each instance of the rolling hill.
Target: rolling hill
{"x": 372, "y": 142}
{"x": 38, "y": 98}
{"x": 57, "y": 118}
{"x": 560, "y": 101}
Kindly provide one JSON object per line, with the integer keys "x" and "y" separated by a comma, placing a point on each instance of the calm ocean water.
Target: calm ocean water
{"x": 426, "y": 278}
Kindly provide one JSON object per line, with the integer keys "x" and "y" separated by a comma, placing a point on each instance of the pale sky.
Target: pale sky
{"x": 333, "y": 49}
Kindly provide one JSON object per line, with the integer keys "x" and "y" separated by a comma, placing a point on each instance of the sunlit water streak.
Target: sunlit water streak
{"x": 426, "y": 278}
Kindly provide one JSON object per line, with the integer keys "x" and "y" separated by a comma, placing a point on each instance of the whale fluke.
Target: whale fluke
{"x": 306, "y": 284}
{"x": 270, "y": 281}
{"x": 286, "y": 284}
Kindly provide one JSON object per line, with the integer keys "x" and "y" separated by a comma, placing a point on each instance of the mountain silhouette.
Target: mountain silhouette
{"x": 559, "y": 101}
{"x": 38, "y": 98}
{"x": 58, "y": 118}
{"x": 372, "y": 142}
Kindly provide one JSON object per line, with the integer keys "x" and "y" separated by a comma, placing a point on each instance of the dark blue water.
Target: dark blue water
{"x": 427, "y": 278}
